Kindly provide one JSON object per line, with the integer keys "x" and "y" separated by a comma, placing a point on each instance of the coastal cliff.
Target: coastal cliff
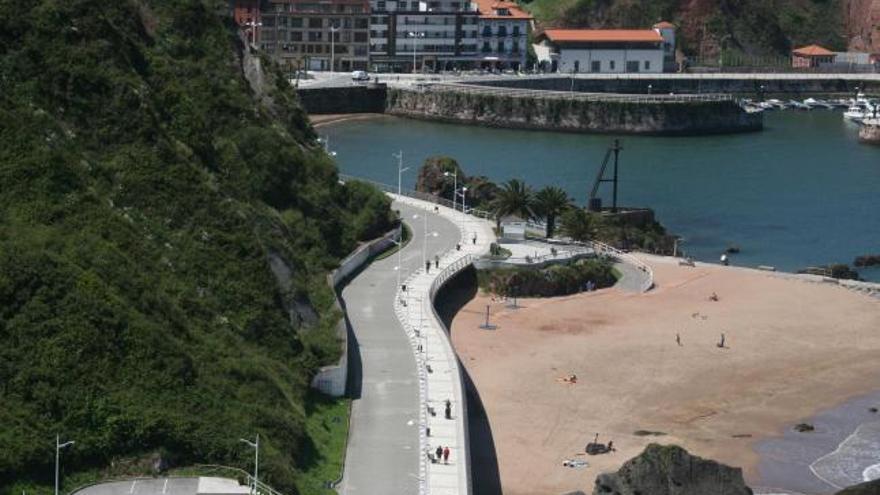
{"x": 560, "y": 113}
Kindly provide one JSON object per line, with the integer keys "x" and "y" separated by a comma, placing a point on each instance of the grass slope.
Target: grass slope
{"x": 165, "y": 233}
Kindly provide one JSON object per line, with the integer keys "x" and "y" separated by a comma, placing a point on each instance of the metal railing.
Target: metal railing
{"x": 411, "y": 193}
{"x": 605, "y": 250}
{"x": 444, "y": 87}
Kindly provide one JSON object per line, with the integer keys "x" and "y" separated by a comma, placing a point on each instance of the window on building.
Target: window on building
{"x": 361, "y": 23}
{"x": 296, "y": 36}
{"x": 487, "y": 31}
{"x": 486, "y": 47}
{"x": 647, "y": 65}
{"x": 360, "y": 37}
{"x": 577, "y": 65}
{"x": 516, "y": 30}
{"x": 502, "y": 30}
{"x": 380, "y": 5}
{"x": 269, "y": 21}
{"x": 595, "y": 66}
{"x": 315, "y": 35}
{"x": 296, "y": 22}
{"x": 515, "y": 47}
{"x": 611, "y": 64}
{"x": 500, "y": 47}
{"x": 632, "y": 65}
{"x": 316, "y": 22}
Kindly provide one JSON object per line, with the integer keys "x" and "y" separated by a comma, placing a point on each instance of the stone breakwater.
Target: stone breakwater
{"x": 870, "y": 133}
{"x": 574, "y": 112}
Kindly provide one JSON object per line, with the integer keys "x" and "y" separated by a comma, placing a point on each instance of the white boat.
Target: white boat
{"x": 855, "y": 113}
{"x": 814, "y": 103}
{"x": 798, "y": 105}
{"x": 777, "y": 104}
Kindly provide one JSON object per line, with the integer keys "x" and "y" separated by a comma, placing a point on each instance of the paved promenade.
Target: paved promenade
{"x": 389, "y": 379}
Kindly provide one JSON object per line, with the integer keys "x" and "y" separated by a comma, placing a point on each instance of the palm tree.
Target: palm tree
{"x": 578, "y": 224}
{"x": 551, "y": 202}
{"x": 514, "y": 198}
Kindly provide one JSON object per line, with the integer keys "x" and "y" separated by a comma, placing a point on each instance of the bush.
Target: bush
{"x": 556, "y": 280}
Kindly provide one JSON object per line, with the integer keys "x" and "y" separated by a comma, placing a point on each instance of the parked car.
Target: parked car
{"x": 360, "y": 75}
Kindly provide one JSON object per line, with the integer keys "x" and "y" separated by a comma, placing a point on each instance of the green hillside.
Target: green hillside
{"x": 145, "y": 187}
{"x": 746, "y": 27}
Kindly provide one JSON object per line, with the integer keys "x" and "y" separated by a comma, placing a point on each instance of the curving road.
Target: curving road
{"x": 382, "y": 455}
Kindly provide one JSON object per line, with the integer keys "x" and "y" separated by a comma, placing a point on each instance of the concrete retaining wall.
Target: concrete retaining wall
{"x": 332, "y": 380}
{"x": 368, "y": 98}
{"x": 695, "y": 84}
{"x": 559, "y": 113}
{"x": 870, "y": 134}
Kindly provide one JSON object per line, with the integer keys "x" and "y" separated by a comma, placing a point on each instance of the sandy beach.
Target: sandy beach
{"x": 791, "y": 349}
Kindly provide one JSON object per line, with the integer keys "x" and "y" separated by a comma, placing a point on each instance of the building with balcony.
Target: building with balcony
{"x": 503, "y": 34}
{"x": 608, "y": 50}
{"x": 410, "y": 35}
{"x": 317, "y": 34}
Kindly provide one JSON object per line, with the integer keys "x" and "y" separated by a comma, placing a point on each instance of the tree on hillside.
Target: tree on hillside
{"x": 550, "y": 202}
{"x": 578, "y": 224}
{"x": 514, "y": 198}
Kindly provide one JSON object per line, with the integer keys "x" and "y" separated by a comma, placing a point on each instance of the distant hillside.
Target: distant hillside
{"x": 167, "y": 222}
{"x": 749, "y": 27}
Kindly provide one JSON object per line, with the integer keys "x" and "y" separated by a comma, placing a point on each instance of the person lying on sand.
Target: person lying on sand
{"x": 713, "y": 297}
{"x": 570, "y": 379}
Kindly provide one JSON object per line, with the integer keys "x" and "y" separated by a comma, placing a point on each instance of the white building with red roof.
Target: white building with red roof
{"x": 609, "y": 50}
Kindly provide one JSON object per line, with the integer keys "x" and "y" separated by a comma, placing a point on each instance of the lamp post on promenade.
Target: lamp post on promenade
{"x": 333, "y": 31}
{"x": 256, "y": 446}
{"x": 58, "y": 447}
{"x": 415, "y": 35}
{"x": 454, "y": 175}
{"x": 400, "y": 170}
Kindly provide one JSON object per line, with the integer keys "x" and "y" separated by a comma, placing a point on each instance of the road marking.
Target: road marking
{"x": 165, "y": 486}
{"x": 133, "y": 483}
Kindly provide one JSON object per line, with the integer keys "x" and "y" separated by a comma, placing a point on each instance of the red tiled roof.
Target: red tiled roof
{"x": 602, "y": 35}
{"x": 812, "y": 51}
{"x": 664, "y": 25}
{"x": 487, "y": 10}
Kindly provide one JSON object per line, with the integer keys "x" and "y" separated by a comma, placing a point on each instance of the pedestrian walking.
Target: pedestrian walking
{"x": 448, "y": 409}
{"x": 445, "y": 455}
{"x": 439, "y": 452}
{"x": 474, "y": 239}
{"x": 436, "y": 261}
{"x": 458, "y": 246}
{"x": 678, "y": 339}
{"x": 721, "y": 344}
{"x": 427, "y": 267}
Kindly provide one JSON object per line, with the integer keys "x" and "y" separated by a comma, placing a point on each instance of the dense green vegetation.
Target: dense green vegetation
{"x": 145, "y": 186}
{"x": 747, "y": 27}
{"x": 555, "y": 280}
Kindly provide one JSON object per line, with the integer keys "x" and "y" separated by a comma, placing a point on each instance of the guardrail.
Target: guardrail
{"x": 604, "y": 249}
{"x": 570, "y": 95}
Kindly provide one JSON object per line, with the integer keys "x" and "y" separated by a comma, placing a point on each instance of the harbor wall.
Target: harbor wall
{"x": 555, "y": 113}
{"x": 870, "y": 134}
{"x": 369, "y": 98}
{"x": 682, "y": 85}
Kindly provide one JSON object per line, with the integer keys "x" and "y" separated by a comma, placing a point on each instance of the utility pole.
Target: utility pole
{"x": 400, "y": 171}
{"x": 454, "y": 175}
{"x": 333, "y": 30}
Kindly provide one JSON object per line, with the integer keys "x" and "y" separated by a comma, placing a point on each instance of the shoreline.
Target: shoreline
{"x": 324, "y": 120}
{"x": 791, "y": 356}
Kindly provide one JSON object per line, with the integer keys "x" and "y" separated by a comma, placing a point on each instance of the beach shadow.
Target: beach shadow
{"x": 484, "y": 461}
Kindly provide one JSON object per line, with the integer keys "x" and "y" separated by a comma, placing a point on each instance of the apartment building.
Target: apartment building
{"x": 427, "y": 36}
{"x": 317, "y": 34}
{"x": 503, "y": 29}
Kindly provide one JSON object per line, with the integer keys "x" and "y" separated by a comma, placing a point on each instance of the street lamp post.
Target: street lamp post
{"x": 454, "y": 175}
{"x": 400, "y": 171}
{"x": 253, "y": 24}
{"x": 415, "y": 35}
{"x": 256, "y": 446}
{"x": 58, "y": 447}
{"x": 333, "y": 31}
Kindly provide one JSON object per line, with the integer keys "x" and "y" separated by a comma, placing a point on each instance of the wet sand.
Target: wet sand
{"x": 792, "y": 349}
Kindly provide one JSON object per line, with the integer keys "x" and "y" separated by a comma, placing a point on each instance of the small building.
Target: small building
{"x": 503, "y": 34}
{"x": 609, "y": 50}
{"x": 513, "y": 228}
{"x": 813, "y": 56}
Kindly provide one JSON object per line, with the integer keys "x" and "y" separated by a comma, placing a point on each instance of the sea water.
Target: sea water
{"x": 802, "y": 192}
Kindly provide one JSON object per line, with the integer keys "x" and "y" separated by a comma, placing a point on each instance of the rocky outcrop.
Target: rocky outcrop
{"x": 862, "y": 20}
{"x": 671, "y": 470}
{"x": 869, "y": 488}
{"x": 553, "y": 112}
